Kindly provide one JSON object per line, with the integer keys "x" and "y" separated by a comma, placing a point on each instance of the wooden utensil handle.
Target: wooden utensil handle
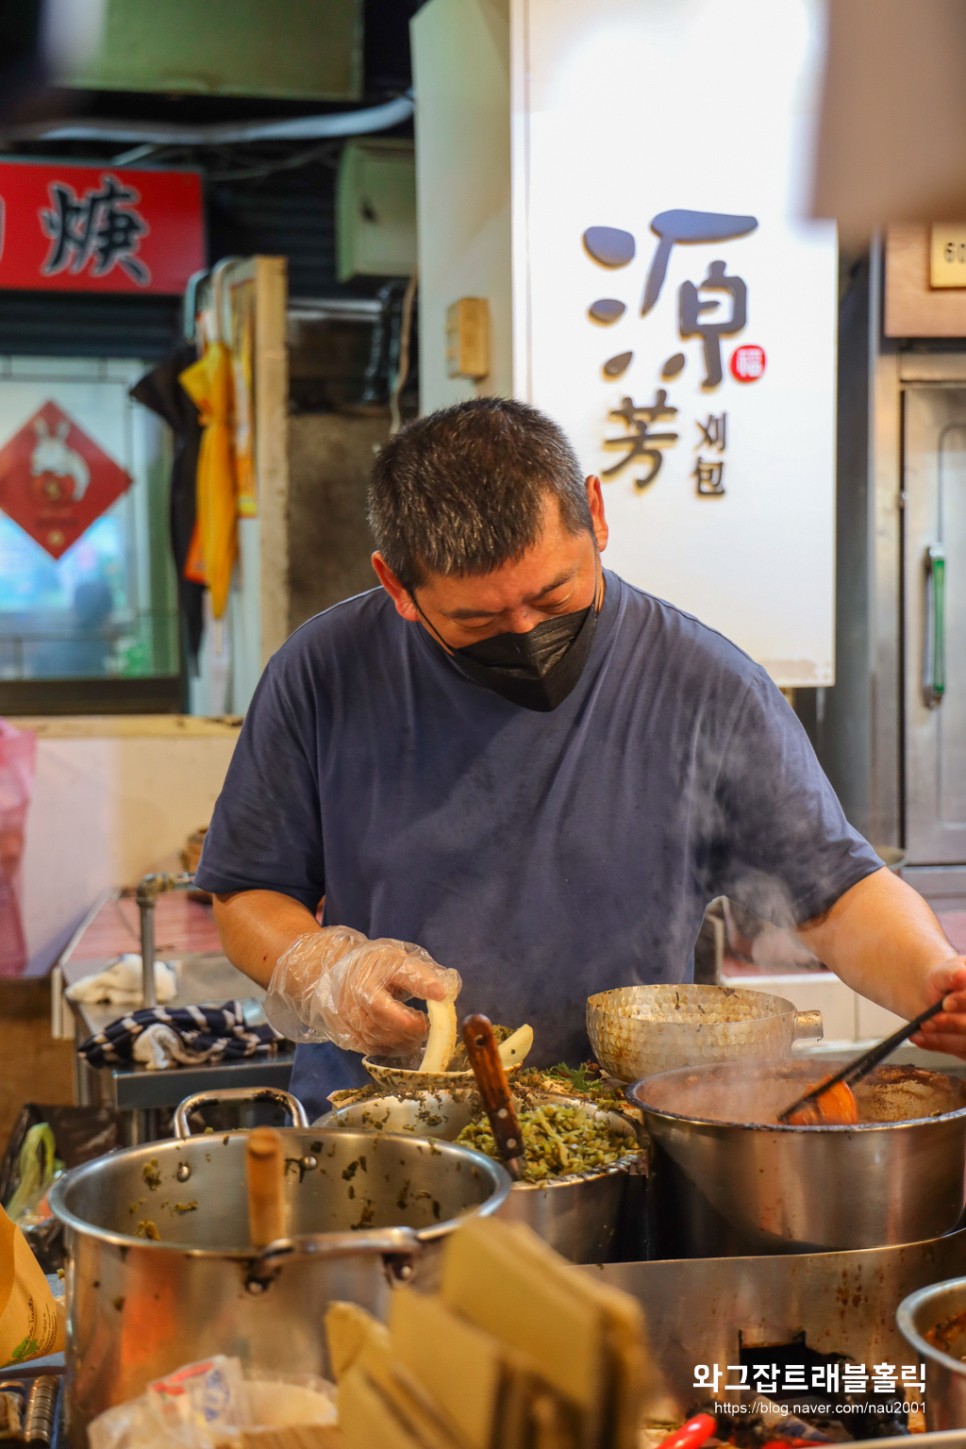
{"x": 491, "y": 1078}
{"x": 265, "y": 1176}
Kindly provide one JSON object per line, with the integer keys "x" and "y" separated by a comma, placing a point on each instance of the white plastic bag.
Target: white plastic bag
{"x": 197, "y": 1407}
{"x": 211, "y": 1404}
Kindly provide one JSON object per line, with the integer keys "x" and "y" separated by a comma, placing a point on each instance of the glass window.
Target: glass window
{"x": 88, "y": 611}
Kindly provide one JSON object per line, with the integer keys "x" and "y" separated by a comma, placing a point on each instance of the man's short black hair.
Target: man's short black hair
{"x": 461, "y": 491}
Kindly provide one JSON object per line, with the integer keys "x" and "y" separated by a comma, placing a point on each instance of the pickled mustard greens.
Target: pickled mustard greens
{"x": 558, "y": 1139}
{"x": 587, "y": 1080}
{"x": 460, "y": 1061}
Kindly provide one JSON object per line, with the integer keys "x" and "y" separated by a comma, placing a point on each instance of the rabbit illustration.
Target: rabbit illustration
{"x": 52, "y": 455}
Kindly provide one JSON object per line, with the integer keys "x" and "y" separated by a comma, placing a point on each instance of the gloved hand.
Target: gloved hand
{"x": 337, "y": 985}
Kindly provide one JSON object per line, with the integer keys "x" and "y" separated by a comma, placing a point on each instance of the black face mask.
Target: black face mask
{"x": 537, "y": 669}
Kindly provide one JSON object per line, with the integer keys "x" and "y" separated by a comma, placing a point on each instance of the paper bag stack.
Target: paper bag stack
{"x": 516, "y": 1351}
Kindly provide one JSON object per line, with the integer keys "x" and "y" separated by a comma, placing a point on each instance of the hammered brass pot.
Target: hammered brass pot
{"x": 637, "y": 1031}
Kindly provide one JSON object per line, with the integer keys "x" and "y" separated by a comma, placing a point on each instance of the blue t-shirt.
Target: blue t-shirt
{"x": 545, "y": 855}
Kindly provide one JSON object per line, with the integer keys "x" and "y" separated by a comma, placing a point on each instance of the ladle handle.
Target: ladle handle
{"x": 265, "y": 1177}
{"x": 855, "y": 1070}
{"x": 863, "y": 1065}
{"x": 491, "y": 1079}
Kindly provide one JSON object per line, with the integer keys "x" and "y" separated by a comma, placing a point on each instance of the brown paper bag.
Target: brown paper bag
{"x": 31, "y": 1319}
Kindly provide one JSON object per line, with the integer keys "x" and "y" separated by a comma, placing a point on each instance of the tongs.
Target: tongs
{"x": 862, "y": 1065}
{"x": 494, "y": 1088}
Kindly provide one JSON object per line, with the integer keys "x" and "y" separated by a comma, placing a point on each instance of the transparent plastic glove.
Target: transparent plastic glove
{"x": 337, "y": 985}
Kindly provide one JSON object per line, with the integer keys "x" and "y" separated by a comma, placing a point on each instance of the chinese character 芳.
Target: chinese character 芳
{"x": 102, "y": 227}
{"x": 639, "y": 441}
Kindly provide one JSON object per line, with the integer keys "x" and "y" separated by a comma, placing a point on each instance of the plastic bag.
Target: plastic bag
{"x": 17, "y": 751}
{"x": 80, "y": 1133}
{"x": 37, "y": 1166}
{"x": 211, "y": 1404}
{"x": 31, "y": 1319}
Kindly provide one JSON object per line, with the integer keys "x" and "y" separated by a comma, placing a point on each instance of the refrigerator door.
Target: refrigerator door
{"x": 934, "y": 624}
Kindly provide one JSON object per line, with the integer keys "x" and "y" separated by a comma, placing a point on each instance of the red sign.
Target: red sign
{"x": 99, "y": 229}
{"x": 55, "y": 480}
{"x": 748, "y": 362}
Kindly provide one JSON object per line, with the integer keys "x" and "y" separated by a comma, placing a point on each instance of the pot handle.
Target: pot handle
{"x": 400, "y": 1249}
{"x": 182, "y": 1127}
{"x": 807, "y": 1024}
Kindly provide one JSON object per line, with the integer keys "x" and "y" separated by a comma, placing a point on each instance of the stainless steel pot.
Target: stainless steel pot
{"x": 726, "y": 1178}
{"x": 593, "y": 1217}
{"x": 636, "y": 1031}
{"x": 361, "y": 1212}
{"x": 933, "y": 1322}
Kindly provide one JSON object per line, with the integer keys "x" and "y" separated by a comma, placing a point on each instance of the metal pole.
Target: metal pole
{"x": 149, "y": 888}
{"x": 149, "y": 991}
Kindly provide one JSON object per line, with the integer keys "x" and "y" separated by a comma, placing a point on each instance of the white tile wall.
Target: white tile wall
{"x": 846, "y": 1016}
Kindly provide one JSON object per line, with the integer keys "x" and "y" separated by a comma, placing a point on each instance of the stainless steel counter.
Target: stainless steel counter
{"x": 137, "y": 1092}
{"x": 708, "y": 1311}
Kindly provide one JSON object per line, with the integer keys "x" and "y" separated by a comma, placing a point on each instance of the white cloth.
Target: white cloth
{"x": 121, "y": 983}
{"x": 159, "y": 1047}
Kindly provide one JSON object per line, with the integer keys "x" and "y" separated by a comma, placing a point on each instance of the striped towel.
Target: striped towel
{"x": 163, "y": 1036}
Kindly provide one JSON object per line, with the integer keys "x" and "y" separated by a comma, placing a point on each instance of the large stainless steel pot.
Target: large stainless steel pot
{"x": 595, "y": 1217}
{"x": 360, "y": 1212}
{"x": 637, "y": 1031}
{"x": 726, "y": 1178}
{"x": 933, "y": 1323}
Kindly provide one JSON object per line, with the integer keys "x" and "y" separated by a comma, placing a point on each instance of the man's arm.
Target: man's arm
{"x": 885, "y": 942}
{"x": 256, "y": 927}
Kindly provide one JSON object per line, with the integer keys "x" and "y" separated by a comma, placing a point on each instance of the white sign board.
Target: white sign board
{"x": 674, "y": 309}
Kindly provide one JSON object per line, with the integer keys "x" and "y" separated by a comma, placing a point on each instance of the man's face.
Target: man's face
{"x": 557, "y": 575}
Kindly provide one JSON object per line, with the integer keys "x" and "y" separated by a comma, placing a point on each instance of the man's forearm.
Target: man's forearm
{"x": 257, "y": 926}
{"x": 882, "y": 939}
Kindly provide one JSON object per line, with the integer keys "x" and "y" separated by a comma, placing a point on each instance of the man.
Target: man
{"x": 510, "y": 762}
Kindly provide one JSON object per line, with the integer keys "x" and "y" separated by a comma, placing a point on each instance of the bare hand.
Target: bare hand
{"x": 947, "y": 1031}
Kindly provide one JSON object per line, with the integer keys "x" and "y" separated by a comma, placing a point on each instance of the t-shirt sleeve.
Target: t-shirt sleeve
{"x": 266, "y": 828}
{"x": 780, "y": 843}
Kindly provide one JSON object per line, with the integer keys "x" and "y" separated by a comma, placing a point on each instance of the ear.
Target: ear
{"x": 40, "y": 427}
{"x": 63, "y": 428}
{"x": 595, "y": 501}
{"x": 399, "y": 595}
